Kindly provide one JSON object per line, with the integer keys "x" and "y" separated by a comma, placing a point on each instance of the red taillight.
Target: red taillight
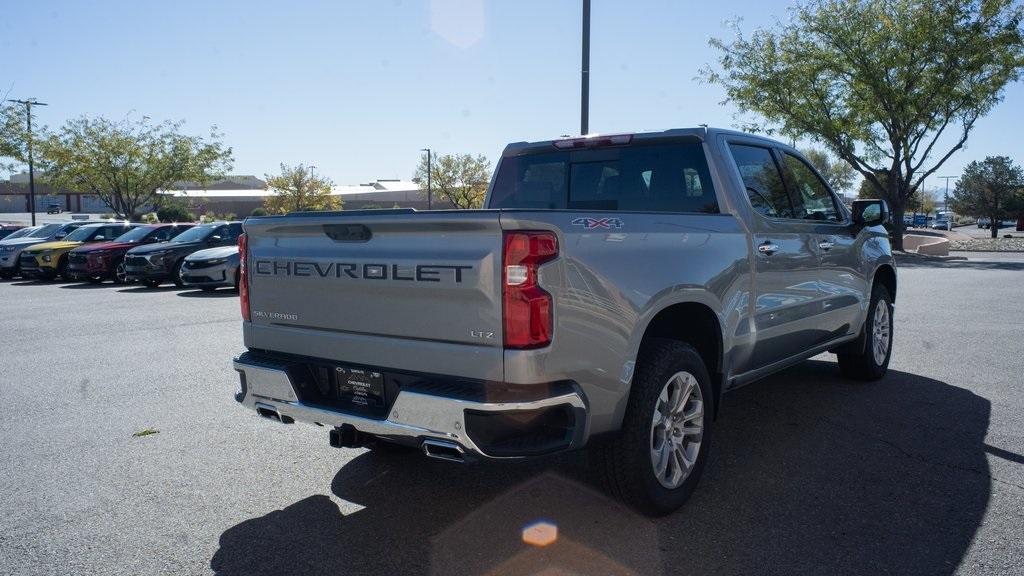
{"x": 243, "y": 275}
{"x": 528, "y": 320}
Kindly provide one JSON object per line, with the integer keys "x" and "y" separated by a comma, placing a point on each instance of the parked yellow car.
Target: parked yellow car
{"x": 50, "y": 259}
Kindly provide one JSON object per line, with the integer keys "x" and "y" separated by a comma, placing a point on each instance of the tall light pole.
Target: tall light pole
{"x": 430, "y": 191}
{"x": 585, "y": 79}
{"x": 29, "y": 103}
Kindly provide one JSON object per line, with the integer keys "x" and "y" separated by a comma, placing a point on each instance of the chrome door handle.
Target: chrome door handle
{"x": 768, "y": 248}
{"x": 826, "y": 245}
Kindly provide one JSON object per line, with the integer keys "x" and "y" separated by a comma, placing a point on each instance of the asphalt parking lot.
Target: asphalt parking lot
{"x": 920, "y": 473}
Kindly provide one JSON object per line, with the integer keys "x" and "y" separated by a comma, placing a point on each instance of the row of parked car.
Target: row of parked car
{"x": 198, "y": 255}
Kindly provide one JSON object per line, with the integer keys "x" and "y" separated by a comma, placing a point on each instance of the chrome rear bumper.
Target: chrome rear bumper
{"x": 413, "y": 417}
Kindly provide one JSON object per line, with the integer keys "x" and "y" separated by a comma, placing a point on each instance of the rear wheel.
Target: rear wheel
{"x": 7, "y": 275}
{"x": 872, "y": 362}
{"x": 657, "y": 458}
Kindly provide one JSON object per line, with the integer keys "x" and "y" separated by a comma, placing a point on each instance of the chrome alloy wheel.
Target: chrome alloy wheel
{"x": 880, "y": 332}
{"x": 676, "y": 429}
{"x": 120, "y": 274}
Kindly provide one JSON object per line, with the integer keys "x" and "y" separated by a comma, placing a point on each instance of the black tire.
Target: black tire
{"x": 151, "y": 283}
{"x": 118, "y": 273}
{"x": 6, "y": 275}
{"x": 62, "y": 268}
{"x": 176, "y": 274}
{"x": 238, "y": 278}
{"x": 863, "y": 364}
{"x": 625, "y": 462}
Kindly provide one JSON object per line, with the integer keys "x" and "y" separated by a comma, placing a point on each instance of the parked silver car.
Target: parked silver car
{"x": 211, "y": 268}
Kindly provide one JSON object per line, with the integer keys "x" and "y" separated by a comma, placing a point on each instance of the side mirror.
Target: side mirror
{"x": 59, "y": 235}
{"x": 870, "y": 212}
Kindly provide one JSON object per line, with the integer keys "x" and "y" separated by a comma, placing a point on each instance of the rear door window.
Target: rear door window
{"x": 763, "y": 181}
{"x": 641, "y": 178}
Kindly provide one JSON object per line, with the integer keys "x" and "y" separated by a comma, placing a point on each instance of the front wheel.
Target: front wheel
{"x": 176, "y": 275}
{"x": 657, "y": 458}
{"x": 62, "y": 269}
{"x": 120, "y": 275}
{"x": 872, "y": 362}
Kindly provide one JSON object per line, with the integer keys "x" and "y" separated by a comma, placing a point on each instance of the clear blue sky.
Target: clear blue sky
{"x": 357, "y": 88}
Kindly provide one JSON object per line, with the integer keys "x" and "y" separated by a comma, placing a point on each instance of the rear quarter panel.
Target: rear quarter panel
{"x": 608, "y": 283}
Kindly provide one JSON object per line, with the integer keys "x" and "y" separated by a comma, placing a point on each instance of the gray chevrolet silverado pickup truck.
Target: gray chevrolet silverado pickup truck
{"x": 612, "y": 291}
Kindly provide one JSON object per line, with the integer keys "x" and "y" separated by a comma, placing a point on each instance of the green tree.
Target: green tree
{"x": 299, "y": 189}
{"x": 867, "y": 190}
{"x": 460, "y": 178}
{"x": 893, "y": 87}
{"x": 993, "y": 188}
{"x": 126, "y": 162}
{"x": 13, "y": 126}
{"x": 837, "y": 172}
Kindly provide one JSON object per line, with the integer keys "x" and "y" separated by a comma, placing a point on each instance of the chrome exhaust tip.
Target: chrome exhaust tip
{"x": 444, "y": 450}
{"x": 271, "y": 413}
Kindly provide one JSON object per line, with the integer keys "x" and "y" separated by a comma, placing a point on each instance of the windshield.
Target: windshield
{"x": 19, "y": 233}
{"x": 135, "y": 235}
{"x": 82, "y": 234}
{"x": 44, "y": 231}
{"x": 195, "y": 234}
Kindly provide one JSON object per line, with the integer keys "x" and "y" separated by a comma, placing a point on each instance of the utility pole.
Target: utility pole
{"x": 945, "y": 201}
{"x": 585, "y": 87}
{"x": 29, "y": 103}
{"x": 430, "y": 191}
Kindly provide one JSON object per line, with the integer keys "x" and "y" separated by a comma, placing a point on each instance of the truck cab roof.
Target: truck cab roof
{"x": 701, "y": 133}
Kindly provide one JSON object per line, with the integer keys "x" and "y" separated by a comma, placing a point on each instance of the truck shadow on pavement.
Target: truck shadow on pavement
{"x": 961, "y": 264}
{"x": 219, "y": 293}
{"x": 810, "y": 474}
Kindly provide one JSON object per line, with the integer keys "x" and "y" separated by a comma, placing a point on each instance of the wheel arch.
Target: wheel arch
{"x": 886, "y": 276}
{"x": 693, "y": 322}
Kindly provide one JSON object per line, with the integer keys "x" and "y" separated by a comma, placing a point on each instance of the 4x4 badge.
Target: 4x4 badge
{"x": 592, "y": 223}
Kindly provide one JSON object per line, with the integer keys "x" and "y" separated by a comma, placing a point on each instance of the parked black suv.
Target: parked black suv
{"x": 157, "y": 263}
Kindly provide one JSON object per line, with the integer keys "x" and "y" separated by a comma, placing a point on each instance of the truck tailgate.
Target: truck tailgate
{"x": 416, "y": 290}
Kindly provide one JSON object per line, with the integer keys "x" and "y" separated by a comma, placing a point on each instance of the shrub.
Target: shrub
{"x": 258, "y": 212}
{"x": 174, "y": 212}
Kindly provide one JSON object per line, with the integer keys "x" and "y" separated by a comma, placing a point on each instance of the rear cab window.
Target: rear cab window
{"x": 655, "y": 177}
